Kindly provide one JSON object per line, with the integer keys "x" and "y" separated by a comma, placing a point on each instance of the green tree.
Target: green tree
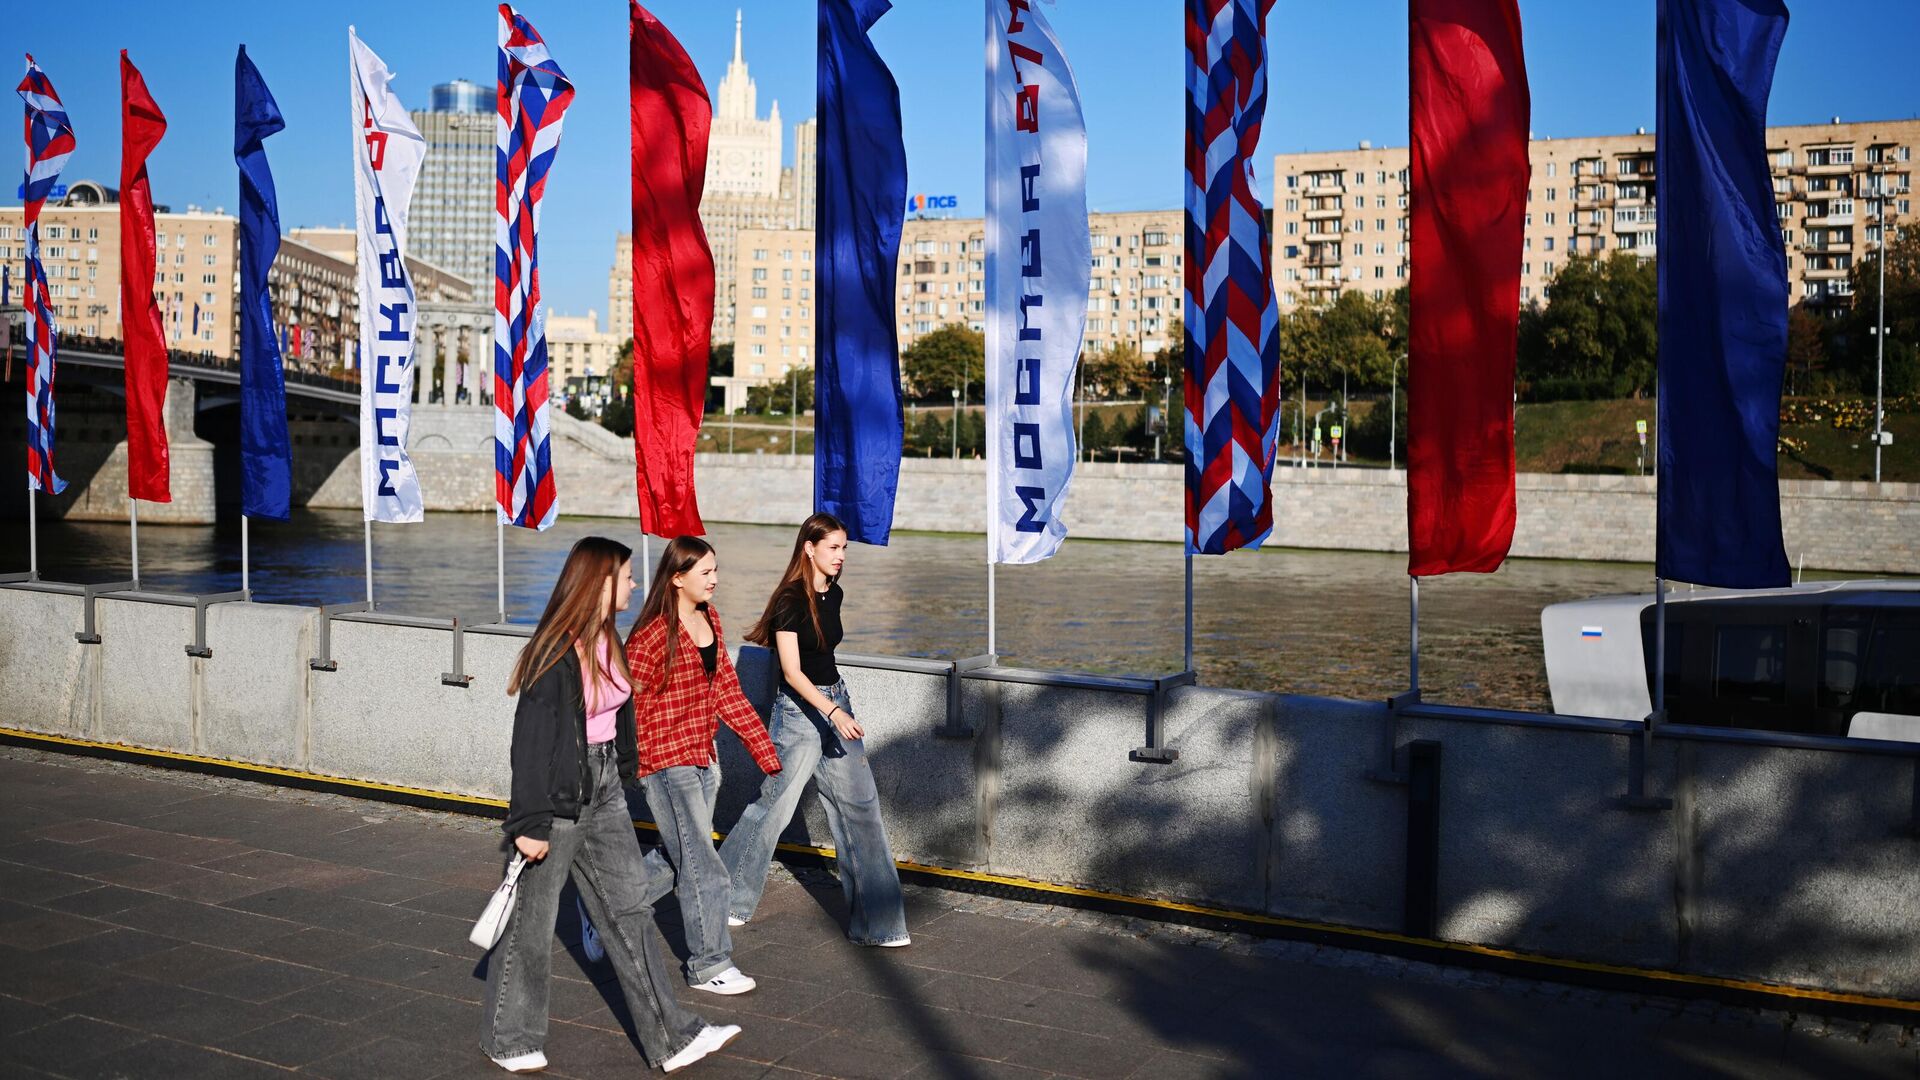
{"x": 720, "y": 359}
{"x": 779, "y": 396}
{"x": 575, "y": 409}
{"x": 617, "y": 415}
{"x": 1857, "y": 357}
{"x": 933, "y": 437}
{"x": 1806, "y": 350}
{"x": 973, "y": 431}
{"x": 1597, "y": 336}
{"x": 951, "y": 357}
{"x": 1113, "y": 373}
{"x": 1093, "y": 435}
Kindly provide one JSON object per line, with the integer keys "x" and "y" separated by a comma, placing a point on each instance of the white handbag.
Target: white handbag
{"x": 493, "y": 918}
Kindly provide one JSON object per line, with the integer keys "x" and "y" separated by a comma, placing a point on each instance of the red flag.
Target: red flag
{"x": 141, "y": 125}
{"x": 672, "y": 274}
{"x": 1470, "y": 109}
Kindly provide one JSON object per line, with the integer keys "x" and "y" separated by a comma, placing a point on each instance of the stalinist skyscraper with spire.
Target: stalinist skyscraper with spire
{"x": 743, "y": 151}
{"x": 747, "y": 188}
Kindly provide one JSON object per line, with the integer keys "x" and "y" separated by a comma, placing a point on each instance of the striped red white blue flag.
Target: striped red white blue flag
{"x": 49, "y": 138}
{"x": 1232, "y": 382}
{"x": 533, "y": 98}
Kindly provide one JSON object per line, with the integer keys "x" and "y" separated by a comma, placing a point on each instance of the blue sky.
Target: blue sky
{"x": 1339, "y": 76}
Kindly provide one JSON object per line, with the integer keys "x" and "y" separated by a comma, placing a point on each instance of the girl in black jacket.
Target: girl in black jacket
{"x": 573, "y": 751}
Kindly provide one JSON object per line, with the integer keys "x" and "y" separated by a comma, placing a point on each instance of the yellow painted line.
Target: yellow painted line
{"x": 1328, "y": 929}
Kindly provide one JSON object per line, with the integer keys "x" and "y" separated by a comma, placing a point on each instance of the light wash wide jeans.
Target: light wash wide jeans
{"x": 603, "y": 857}
{"x": 682, "y": 799}
{"x": 810, "y": 747}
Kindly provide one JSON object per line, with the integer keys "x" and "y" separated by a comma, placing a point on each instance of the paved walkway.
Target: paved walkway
{"x": 157, "y": 924}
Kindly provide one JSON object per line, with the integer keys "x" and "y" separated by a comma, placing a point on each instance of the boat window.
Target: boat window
{"x": 1891, "y": 681}
{"x": 1844, "y": 637}
{"x": 1750, "y": 664}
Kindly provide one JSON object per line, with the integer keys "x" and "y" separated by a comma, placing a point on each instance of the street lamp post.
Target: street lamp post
{"x": 1880, "y": 332}
{"x": 793, "y": 427}
{"x": 1166, "y": 413}
{"x": 1393, "y": 414}
{"x": 956, "y": 423}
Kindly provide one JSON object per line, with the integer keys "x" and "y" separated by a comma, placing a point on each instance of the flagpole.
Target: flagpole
{"x": 369, "y": 550}
{"x": 133, "y": 518}
{"x": 33, "y": 534}
{"x": 500, "y": 562}
{"x": 1413, "y": 635}
{"x": 245, "y": 584}
{"x": 1189, "y": 607}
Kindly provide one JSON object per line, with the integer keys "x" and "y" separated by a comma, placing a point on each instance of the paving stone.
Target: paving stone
{"x": 48, "y": 929}
{"x": 345, "y": 1000}
{"x": 105, "y": 900}
{"x": 261, "y": 980}
{"x": 18, "y": 1014}
{"x": 157, "y": 1058}
{"x": 68, "y": 1044}
{"x": 293, "y": 1042}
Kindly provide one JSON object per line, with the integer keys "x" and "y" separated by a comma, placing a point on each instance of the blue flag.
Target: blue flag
{"x": 1723, "y": 296}
{"x": 862, "y": 204}
{"x": 266, "y": 457}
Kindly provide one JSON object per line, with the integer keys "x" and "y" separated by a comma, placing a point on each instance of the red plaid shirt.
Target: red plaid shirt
{"x": 676, "y": 714}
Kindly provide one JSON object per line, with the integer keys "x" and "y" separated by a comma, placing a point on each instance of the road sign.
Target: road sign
{"x": 1336, "y": 433}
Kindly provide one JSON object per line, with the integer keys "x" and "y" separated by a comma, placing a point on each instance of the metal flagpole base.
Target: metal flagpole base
{"x": 1388, "y": 770}
{"x": 954, "y": 727}
{"x": 1156, "y": 752}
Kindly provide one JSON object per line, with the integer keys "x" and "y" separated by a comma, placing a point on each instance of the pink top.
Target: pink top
{"x": 604, "y": 696}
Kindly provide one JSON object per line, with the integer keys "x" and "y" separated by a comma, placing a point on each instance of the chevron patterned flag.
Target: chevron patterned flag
{"x": 1233, "y": 346}
{"x": 533, "y": 98}
{"x": 49, "y": 140}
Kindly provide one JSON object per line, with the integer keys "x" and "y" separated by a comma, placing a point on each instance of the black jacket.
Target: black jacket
{"x": 550, "y": 777}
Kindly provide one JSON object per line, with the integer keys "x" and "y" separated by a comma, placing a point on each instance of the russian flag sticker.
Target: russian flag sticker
{"x": 1590, "y": 631}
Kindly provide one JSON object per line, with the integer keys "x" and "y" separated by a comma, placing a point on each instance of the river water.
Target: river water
{"x": 1321, "y": 622}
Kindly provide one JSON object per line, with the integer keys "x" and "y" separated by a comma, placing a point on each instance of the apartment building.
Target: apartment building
{"x": 452, "y": 222}
{"x": 1133, "y": 294}
{"x": 312, "y": 279}
{"x": 1340, "y": 217}
{"x": 195, "y": 265}
{"x": 578, "y": 349}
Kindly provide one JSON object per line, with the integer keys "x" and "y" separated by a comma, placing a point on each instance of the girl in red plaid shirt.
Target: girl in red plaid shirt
{"x": 684, "y": 685}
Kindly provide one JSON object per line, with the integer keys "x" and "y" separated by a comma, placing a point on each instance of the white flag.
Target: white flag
{"x": 387, "y": 150}
{"x": 1037, "y": 268}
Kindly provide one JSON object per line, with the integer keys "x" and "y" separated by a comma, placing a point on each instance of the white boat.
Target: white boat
{"x": 1821, "y": 658}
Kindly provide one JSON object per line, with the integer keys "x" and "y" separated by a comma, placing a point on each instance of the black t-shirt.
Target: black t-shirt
{"x": 816, "y": 651}
{"x": 709, "y": 655}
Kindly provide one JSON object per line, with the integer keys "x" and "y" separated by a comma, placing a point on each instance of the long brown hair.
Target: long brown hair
{"x": 796, "y": 584}
{"x": 663, "y": 600}
{"x": 573, "y": 612}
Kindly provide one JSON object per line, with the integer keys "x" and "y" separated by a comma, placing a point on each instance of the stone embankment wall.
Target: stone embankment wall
{"x": 1775, "y": 862}
{"x": 1832, "y": 525}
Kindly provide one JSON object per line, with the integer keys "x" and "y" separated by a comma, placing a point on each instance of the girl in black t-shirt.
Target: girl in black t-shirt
{"x": 815, "y": 731}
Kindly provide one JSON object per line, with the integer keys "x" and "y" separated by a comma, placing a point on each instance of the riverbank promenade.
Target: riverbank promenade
{"x": 165, "y": 924}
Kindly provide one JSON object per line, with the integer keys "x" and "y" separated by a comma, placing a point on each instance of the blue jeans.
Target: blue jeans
{"x": 809, "y": 747}
{"x": 681, "y": 798}
{"x": 600, "y": 852}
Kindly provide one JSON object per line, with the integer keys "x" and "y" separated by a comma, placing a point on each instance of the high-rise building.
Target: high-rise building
{"x": 1340, "y": 216}
{"x": 806, "y": 172}
{"x": 451, "y": 223}
{"x": 743, "y": 151}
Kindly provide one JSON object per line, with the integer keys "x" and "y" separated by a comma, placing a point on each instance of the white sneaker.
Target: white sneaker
{"x": 522, "y": 1063}
{"x": 735, "y": 920}
{"x": 901, "y": 944}
{"x": 710, "y": 1039}
{"x": 727, "y": 983}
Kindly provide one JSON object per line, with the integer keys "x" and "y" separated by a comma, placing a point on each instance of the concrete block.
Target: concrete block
{"x": 1532, "y": 844}
{"x": 1073, "y": 809}
{"x": 1339, "y": 839}
{"x": 386, "y": 716}
{"x": 1806, "y": 874}
{"x": 926, "y": 784}
{"x": 251, "y": 696}
{"x": 47, "y": 679}
{"x": 146, "y": 676}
